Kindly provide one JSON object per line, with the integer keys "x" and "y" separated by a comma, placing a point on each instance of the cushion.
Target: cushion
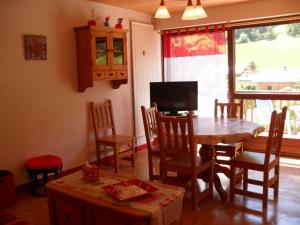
{"x": 43, "y": 162}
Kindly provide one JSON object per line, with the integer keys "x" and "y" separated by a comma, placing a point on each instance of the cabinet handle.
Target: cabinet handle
{"x": 122, "y": 74}
{"x": 111, "y": 74}
{"x": 99, "y": 74}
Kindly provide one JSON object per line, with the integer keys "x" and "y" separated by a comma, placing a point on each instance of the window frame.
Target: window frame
{"x": 232, "y": 93}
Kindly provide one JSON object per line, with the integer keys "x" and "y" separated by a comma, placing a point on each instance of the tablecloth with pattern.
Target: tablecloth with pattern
{"x": 165, "y": 205}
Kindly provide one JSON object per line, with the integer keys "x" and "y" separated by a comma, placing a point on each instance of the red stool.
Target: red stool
{"x": 42, "y": 165}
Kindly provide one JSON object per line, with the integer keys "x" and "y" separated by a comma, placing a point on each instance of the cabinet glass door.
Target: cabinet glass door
{"x": 101, "y": 51}
{"x": 118, "y": 53}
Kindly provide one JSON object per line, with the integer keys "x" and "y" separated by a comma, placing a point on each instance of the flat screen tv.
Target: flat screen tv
{"x": 173, "y": 97}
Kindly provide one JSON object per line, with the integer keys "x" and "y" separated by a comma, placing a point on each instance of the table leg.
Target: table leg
{"x": 207, "y": 154}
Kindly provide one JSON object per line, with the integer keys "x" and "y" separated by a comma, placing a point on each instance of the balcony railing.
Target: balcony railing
{"x": 259, "y": 111}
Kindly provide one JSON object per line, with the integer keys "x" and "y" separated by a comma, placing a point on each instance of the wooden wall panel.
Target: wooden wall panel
{"x": 290, "y": 147}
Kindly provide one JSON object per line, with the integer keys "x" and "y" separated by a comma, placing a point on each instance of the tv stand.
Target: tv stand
{"x": 174, "y": 113}
{"x": 182, "y": 113}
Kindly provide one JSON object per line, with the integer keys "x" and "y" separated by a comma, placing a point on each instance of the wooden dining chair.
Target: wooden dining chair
{"x": 179, "y": 154}
{"x": 150, "y": 127}
{"x": 105, "y": 134}
{"x": 228, "y": 110}
{"x": 263, "y": 162}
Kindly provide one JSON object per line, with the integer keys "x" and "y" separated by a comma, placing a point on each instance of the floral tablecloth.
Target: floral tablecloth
{"x": 165, "y": 205}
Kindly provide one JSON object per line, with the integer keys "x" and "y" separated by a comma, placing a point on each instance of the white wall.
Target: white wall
{"x": 146, "y": 55}
{"x": 228, "y": 13}
{"x": 41, "y": 111}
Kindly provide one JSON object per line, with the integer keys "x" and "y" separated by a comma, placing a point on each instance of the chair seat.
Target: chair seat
{"x": 254, "y": 158}
{"x": 44, "y": 162}
{"x": 115, "y": 139}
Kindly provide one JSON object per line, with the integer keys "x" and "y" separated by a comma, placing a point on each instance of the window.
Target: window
{"x": 267, "y": 59}
{"x": 266, "y": 70}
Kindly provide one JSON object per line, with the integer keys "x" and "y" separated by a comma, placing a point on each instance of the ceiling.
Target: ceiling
{"x": 150, "y": 6}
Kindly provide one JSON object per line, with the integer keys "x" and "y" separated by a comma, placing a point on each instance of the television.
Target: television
{"x": 172, "y": 97}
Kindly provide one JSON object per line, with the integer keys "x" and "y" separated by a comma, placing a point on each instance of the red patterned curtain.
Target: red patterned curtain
{"x": 194, "y": 43}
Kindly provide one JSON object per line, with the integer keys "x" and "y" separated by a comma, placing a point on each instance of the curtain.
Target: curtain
{"x": 198, "y": 56}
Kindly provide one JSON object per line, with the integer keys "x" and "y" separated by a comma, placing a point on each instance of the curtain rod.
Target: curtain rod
{"x": 273, "y": 20}
{"x": 235, "y": 24}
{"x": 193, "y": 28}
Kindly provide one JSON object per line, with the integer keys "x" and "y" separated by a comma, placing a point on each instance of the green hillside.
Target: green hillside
{"x": 283, "y": 51}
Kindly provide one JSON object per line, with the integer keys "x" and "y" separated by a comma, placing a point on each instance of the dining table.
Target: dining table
{"x": 211, "y": 131}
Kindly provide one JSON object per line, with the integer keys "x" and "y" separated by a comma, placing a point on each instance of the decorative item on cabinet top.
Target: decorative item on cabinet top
{"x": 101, "y": 55}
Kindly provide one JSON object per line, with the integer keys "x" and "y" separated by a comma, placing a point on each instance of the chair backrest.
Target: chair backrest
{"x": 232, "y": 110}
{"x": 275, "y": 134}
{"x": 150, "y": 125}
{"x": 103, "y": 119}
{"x": 176, "y": 137}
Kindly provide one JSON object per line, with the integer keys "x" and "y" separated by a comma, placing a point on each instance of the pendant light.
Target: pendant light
{"x": 199, "y": 11}
{"x": 162, "y": 12}
{"x": 189, "y": 12}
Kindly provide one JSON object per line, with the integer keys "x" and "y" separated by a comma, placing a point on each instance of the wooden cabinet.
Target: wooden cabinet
{"x": 68, "y": 207}
{"x": 101, "y": 55}
{"x": 68, "y": 212}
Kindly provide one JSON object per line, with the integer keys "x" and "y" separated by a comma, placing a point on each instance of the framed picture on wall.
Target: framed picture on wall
{"x": 35, "y": 47}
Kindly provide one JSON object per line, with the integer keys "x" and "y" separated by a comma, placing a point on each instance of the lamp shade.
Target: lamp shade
{"x": 199, "y": 11}
{"x": 162, "y": 12}
{"x": 189, "y": 12}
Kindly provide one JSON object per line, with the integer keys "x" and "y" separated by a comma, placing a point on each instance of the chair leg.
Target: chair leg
{"x": 133, "y": 158}
{"x": 150, "y": 164}
{"x": 134, "y": 150}
{"x": 276, "y": 184}
{"x": 58, "y": 172}
{"x": 242, "y": 148}
{"x": 232, "y": 182}
{"x": 163, "y": 172}
{"x": 98, "y": 153}
{"x": 245, "y": 180}
{"x": 116, "y": 156}
{"x": 45, "y": 178}
{"x": 194, "y": 193}
{"x": 265, "y": 190}
{"x": 33, "y": 182}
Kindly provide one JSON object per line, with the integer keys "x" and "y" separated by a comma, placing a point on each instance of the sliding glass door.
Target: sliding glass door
{"x": 267, "y": 66}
